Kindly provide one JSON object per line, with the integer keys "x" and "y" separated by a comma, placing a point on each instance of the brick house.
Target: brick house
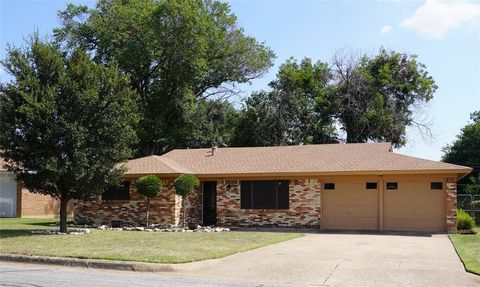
{"x": 18, "y": 201}
{"x": 331, "y": 187}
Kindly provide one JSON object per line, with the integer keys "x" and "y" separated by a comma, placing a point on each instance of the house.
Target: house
{"x": 17, "y": 201}
{"x": 332, "y": 187}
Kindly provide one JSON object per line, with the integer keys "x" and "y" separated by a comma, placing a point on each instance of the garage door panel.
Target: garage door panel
{"x": 414, "y": 207}
{"x": 350, "y": 207}
{"x": 333, "y": 211}
{"x": 434, "y": 225}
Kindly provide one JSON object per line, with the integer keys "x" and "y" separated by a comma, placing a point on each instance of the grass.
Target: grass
{"x": 468, "y": 248}
{"x": 159, "y": 247}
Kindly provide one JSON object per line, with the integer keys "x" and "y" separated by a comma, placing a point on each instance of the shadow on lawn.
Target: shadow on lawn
{"x": 7, "y": 233}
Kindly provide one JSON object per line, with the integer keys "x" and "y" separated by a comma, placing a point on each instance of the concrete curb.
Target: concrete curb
{"x": 88, "y": 263}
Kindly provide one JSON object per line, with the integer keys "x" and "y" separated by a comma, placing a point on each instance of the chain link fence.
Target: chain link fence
{"x": 471, "y": 204}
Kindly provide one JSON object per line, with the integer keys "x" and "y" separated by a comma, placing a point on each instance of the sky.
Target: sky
{"x": 445, "y": 35}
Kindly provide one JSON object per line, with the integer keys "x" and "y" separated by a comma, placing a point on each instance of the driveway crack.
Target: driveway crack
{"x": 331, "y": 273}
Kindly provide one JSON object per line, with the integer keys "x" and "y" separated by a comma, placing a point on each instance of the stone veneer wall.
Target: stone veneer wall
{"x": 165, "y": 208}
{"x": 451, "y": 205}
{"x": 193, "y": 208}
{"x": 304, "y": 206}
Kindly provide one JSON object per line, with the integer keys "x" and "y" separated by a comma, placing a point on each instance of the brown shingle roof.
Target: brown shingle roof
{"x": 305, "y": 159}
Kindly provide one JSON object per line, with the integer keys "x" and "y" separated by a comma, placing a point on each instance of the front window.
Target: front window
{"x": 264, "y": 194}
{"x": 120, "y": 192}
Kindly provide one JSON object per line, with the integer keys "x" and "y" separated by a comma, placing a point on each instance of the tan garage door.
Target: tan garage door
{"x": 350, "y": 206}
{"x": 414, "y": 206}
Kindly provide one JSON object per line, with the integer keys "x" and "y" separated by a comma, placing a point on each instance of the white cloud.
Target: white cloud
{"x": 385, "y": 29}
{"x": 435, "y": 18}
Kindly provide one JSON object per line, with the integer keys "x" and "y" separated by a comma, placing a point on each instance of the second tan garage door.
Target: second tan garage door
{"x": 350, "y": 206}
{"x": 414, "y": 206}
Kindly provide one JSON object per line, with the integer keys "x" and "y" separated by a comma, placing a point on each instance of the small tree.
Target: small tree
{"x": 149, "y": 186}
{"x": 184, "y": 185}
{"x": 65, "y": 122}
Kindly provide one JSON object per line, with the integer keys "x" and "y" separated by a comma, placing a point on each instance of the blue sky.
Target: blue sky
{"x": 444, "y": 35}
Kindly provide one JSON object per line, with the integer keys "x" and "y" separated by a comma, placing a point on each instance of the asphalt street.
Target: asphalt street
{"x": 27, "y": 275}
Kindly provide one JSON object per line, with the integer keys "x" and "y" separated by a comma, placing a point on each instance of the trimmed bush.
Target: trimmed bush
{"x": 149, "y": 186}
{"x": 184, "y": 185}
{"x": 464, "y": 220}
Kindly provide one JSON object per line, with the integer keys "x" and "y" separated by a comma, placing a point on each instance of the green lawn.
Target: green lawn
{"x": 161, "y": 247}
{"x": 468, "y": 248}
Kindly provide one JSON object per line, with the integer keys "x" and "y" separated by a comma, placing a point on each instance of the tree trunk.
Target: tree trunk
{"x": 183, "y": 207}
{"x": 148, "y": 209}
{"x": 63, "y": 214}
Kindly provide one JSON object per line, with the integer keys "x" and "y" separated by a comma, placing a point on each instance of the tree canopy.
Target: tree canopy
{"x": 377, "y": 95}
{"x": 177, "y": 53}
{"x": 369, "y": 98}
{"x": 466, "y": 151}
{"x": 65, "y": 122}
{"x": 297, "y": 110}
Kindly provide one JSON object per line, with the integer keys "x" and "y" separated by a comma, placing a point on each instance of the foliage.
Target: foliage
{"x": 466, "y": 151}
{"x": 464, "y": 220}
{"x": 185, "y": 184}
{"x": 65, "y": 122}
{"x": 149, "y": 186}
{"x": 212, "y": 122}
{"x": 376, "y": 95}
{"x": 298, "y": 110}
{"x": 369, "y": 98}
{"x": 177, "y": 53}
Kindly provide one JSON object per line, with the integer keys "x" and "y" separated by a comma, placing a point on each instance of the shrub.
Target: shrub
{"x": 184, "y": 185}
{"x": 464, "y": 220}
{"x": 149, "y": 186}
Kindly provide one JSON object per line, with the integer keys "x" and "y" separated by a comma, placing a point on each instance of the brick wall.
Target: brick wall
{"x": 304, "y": 209}
{"x": 165, "y": 208}
{"x": 31, "y": 204}
{"x": 451, "y": 205}
{"x": 133, "y": 211}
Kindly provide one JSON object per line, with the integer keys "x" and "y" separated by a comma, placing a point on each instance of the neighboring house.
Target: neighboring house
{"x": 17, "y": 201}
{"x": 332, "y": 187}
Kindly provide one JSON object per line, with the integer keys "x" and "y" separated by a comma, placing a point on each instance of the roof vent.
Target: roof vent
{"x": 214, "y": 149}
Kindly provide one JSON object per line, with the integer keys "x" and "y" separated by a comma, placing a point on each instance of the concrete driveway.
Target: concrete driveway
{"x": 344, "y": 259}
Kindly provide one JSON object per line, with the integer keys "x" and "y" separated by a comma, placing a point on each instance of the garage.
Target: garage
{"x": 350, "y": 206}
{"x": 390, "y": 205}
{"x": 414, "y": 206}
{"x": 8, "y": 195}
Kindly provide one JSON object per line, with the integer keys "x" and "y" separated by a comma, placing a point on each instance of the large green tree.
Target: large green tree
{"x": 297, "y": 110}
{"x": 177, "y": 53}
{"x": 466, "y": 151}
{"x": 65, "y": 122}
{"x": 378, "y": 95}
{"x": 369, "y": 98}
